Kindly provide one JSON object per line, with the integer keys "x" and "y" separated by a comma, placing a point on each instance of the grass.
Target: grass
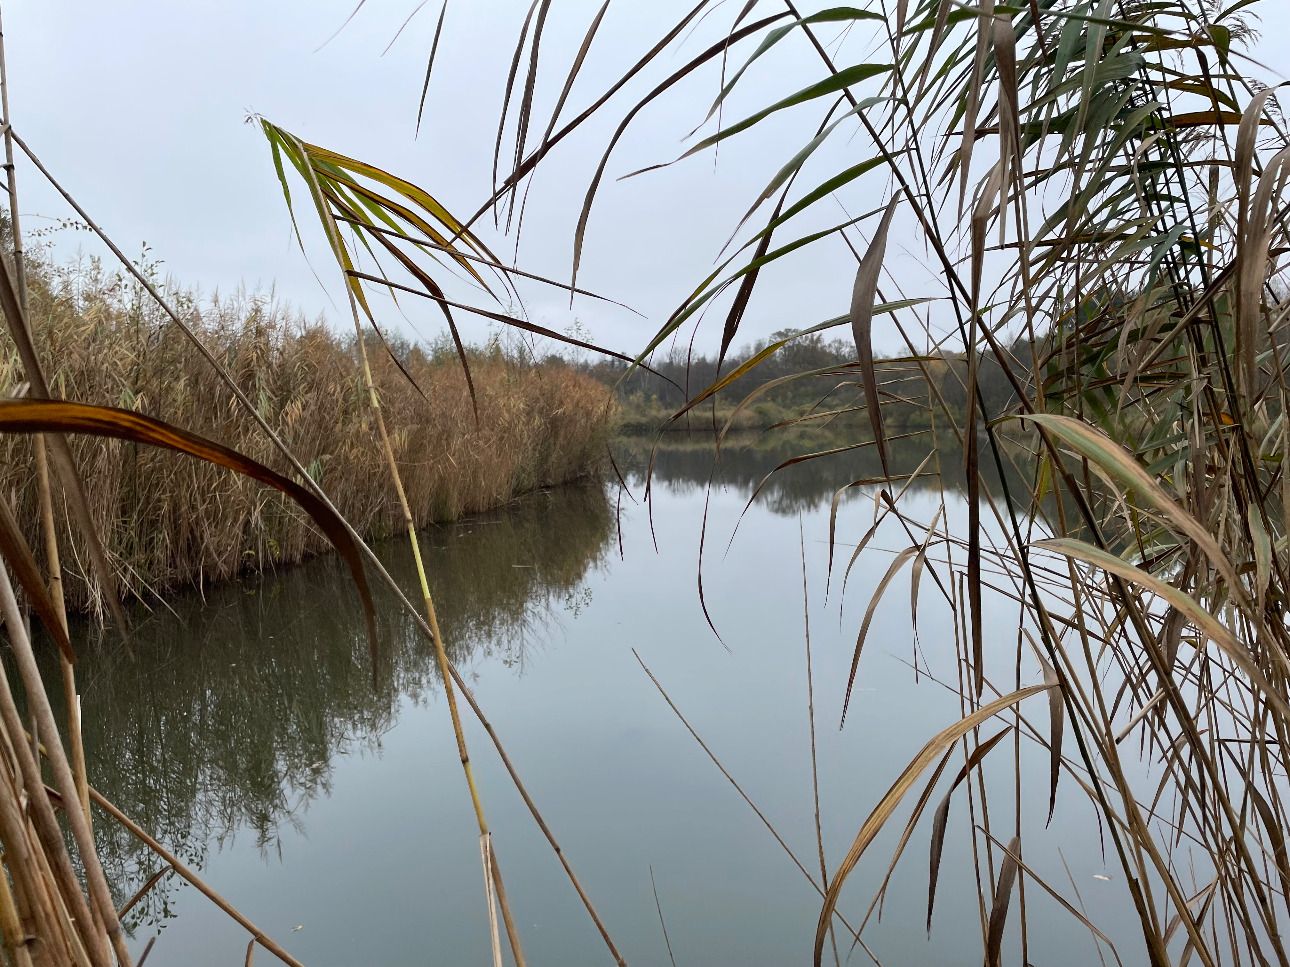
{"x": 169, "y": 521}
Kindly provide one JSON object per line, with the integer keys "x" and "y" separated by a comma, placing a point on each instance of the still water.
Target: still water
{"x": 243, "y": 729}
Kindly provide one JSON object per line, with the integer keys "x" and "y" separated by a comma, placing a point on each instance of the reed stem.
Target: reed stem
{"x": 40, "y": 811}
{"x": 42, "y": 462}
{"x": 38, "y": 699}
{"x": 70, "y": 696}
{"x": 490, "y": 864}
{"x": 183, "y": 870}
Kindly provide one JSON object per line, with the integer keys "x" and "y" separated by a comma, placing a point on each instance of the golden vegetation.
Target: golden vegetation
{"x": 169, "y": 520}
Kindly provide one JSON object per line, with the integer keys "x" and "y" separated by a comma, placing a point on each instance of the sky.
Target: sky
{"x": 138, "y": 107}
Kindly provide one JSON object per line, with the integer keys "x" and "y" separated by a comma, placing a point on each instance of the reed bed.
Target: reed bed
{"x": 170, "y": 521}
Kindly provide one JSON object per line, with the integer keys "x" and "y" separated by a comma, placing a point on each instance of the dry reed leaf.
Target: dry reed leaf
{"x": 574, "y": 70}
{"x": 1057, "y": 721}
{"x": 887, "y": 805}
{"x": 916, "y": 573}
{"x": 1262, "y": 553}
{"x": 862, "y": 300}
{"x": 900, "y": 560}
{"x": 1002, "y": 899}
{"x": 16, "y": 551}
{"x": 1246, "y": 143}
{"x": 1058, "y": 897}
{"x": 915, "y": 815}
{"x": 985, "y": 19}
{"x": 1197, "y": 119}
{"x": 1176, "y": 920}
{"x": 990, "y": 188}
{"x": 507, "y": 96}
{"x": 1276, "y": 836}
{"x": 1005, "y": 56}
{"x": 434, "y": 51}
{"x": 942, "y": 816}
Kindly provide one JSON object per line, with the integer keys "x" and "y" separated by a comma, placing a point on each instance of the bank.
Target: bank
{"x": 169, "y": 521}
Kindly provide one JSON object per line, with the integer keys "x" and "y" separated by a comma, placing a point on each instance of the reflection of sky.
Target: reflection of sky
{"x": 392, "y": 847}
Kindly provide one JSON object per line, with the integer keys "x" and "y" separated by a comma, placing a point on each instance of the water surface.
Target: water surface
{"x": 242, "y": 727}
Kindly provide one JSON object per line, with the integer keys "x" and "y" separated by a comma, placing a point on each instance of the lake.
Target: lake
{"x": 241, "y": 726}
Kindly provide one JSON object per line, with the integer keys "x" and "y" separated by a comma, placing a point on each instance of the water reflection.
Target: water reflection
{"x": 227, "y": 713}
{"x": 684, "y": 463}
{"x": 230, "y": 713}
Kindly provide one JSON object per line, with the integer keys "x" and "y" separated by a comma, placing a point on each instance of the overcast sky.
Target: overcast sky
{"x": 138, "y": 107}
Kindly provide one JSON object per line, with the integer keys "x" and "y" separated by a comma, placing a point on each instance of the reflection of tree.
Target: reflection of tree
{"x": 227, "y": 714}
{"x": 686, "y": 466}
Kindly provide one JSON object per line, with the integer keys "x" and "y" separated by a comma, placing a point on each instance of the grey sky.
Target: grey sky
{"x": 138, "y": 107}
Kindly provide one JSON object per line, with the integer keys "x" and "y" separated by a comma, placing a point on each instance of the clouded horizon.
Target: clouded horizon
{"x": 139, "y": 109}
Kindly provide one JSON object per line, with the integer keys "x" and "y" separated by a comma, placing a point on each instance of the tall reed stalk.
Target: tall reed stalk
{"x": 48, "y": 528}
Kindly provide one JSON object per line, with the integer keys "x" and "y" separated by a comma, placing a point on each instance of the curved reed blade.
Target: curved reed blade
{"x": 862, "y": 298}
{"x": 434, "y": 50}
{"x": 1056, "y": 723}
{"x": 1002, "y": 899}
{"x": 942, "y": 817}
{"x": 893, "y": 569}
{"x": 53, "y": 416}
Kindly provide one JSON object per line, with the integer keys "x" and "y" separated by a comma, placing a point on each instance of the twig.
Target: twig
{"x": 179, "y": 867}
{"x": 661, "y": 922}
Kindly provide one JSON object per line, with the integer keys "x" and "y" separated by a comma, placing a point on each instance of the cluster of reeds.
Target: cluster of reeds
{"x": 1098, "y": 191}
{"x": 168, "y": 521}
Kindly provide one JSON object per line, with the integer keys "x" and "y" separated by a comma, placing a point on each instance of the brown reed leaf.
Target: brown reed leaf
{"x": 18, "y": 554}
{"x": 862, "y": 298}
{"x": 50, "y": 416}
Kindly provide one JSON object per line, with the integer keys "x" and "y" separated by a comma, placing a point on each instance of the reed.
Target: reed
{"x": 168, "y": 521}
{"x": 1097, "y": 191}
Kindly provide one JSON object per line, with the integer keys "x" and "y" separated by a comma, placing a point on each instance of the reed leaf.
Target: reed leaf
{"x": 51, "y": 416}
{"x": 887, "y": 805}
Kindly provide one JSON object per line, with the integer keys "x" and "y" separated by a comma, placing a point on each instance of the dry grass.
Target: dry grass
{"x": 170, "y": 521}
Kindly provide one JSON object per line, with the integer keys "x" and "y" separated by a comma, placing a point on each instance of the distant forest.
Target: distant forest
{"x": 833, "y": 395}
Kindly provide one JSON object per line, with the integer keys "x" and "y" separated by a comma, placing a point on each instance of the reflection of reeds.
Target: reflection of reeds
{"x": 172, "y": 521}
{"x": 228, "y": 715}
